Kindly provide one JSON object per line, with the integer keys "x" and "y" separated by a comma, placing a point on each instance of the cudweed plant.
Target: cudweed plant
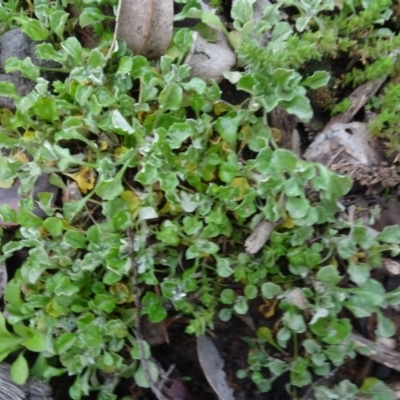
{"x": 155, "y": 151}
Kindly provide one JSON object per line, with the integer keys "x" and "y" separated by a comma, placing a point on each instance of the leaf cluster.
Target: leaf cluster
{"x": 157, "y": 151}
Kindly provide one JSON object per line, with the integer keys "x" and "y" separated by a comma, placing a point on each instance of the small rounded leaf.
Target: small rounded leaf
{"x": 19, "y": 370}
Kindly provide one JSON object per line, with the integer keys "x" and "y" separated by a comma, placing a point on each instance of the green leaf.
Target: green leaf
{"x": 393, "y": 297}
{"x": 270, "y": 290}
{"x": 105, "y": 302}
{"x": 8, "y": 89}
{"x": 37, "y": 342}
{"x": 227, "y": 127}
{"x": 332, "y": 331}
{"x": 317, "y": 80}
{"x": 19, "y": 370}
{"x": 139, "y": 64}
{"x": 119, "y": 123}
{"x": 171, "y": 97}
{"x": 283, "y": 161}
{"x": 140, "y": 377}
{"x": 96, "y": 59}
{"x": 64, "y": 342}
{"x": 242, "y": 11}
{"x": 74, "y": 49}
{"x": 54, "y": 226}
{"x": 124, "y": 65}
{"x": 223, "y": 267}
{"x": 75, "y": 239}
{"x": 385, "y": 326}
{"x": 241, "y": 307}
{"x": 331, "y": 185}
{"x": 90, "y": 16}
{"x": 122, "y": 220}
{"x": 28, "y": 219}
{"x": 300, "y": 106}
{"x": 33, "y": 28}
{"x": 227, "y": 296}
{"x": 359, "y": 273}
{"x": 374, "y": 389}
{"x": 109, "y": 189}
{"x": 228, "y": 171}
{"x": 57, "y": 19}
{"x": 294, "y": 321}
{"x": 46, "y": 108}
{"x": 12, "y": 296}
{"x": 225, "y": 314}
{"x": 152, "y": 304}
{"x": 250, "y": 291}
{"x": 212, "y": 20}
{"x": 72, "y": 208}
{"x": 389, "y": 234}
{"x": 191, "y": 225}
{"x": 3, "y": 329}
{"x": 27, "y": 68}
{"x": 297, "y": 207}
{"x": 329, "y": 275}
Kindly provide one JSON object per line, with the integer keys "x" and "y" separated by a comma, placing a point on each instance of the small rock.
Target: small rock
{"x": 15, "y": 43}
{"x": 22, "y": 85}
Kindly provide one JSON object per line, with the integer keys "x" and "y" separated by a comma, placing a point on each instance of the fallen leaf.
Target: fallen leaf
{"x": 85, "y": 178}
{"x": 212, "y": 365}
{"x": 71, "y": 192}
{"x": 297, "y": 298}
{"x": 268, "y": 308}
{"x": 260, "y": 236}
{"x": 392, "y": 266}
{"x": 3, "y": 279}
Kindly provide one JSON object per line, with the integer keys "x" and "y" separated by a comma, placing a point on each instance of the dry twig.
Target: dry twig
{"x": 154, "y": 386}
{"x": 114, "y": 39}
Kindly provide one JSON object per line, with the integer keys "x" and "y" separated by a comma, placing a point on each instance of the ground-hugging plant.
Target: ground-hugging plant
{"x": 157, "y": 152}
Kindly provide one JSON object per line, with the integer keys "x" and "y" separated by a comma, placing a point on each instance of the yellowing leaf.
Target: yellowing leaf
{"x": 221, "y": 107}
{"x": 120, "y": 151}
{"x": 85, "y": 179}
{"x": 28, "y": 135}
{"x": 49, "y": 308}
{"x": 287, "y": 223}
{"x": 333, "y": 261}
{"x": 268, "y": 308}
{"x": 266, "y": 333}
{"x": 5, "y": 117}
{"x": 246, "y": 135}
{"x": 121, "y": 292}
{"x": 6, "y": 184}
{"x": 22, "y": 157}
{"x": 242, "y": 184}
{"x": 103, "y": 145}
{"x": 276, "y": 134}
{"x": 215, "y": 139}
{"x": 142, "y": 115}
{"x": 132, "y": 199}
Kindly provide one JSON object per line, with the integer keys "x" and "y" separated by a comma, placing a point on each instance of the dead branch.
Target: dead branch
{"x": 379, "y": 353}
